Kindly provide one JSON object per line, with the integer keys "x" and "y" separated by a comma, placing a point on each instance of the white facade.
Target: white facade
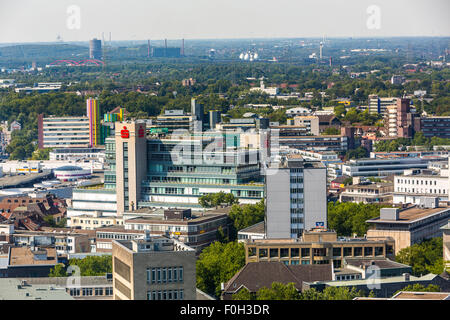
{"x": 89, "y": 202}
{"x": 411, "y": 188}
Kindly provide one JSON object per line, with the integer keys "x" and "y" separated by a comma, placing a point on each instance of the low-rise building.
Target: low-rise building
{"x": 16, "y": 289}
{"x": 378, "y": 192}
{"x": 318, "y": 246}
{"x": 80, "y": 288}
{"x": 411, "y": 187}
{"x": 196, "y": 231}
{"x": 410, "y": 225}
{"x": 89, "y": 222}
{"x": 257, "y": 275}
{"x": 27, "y": 262}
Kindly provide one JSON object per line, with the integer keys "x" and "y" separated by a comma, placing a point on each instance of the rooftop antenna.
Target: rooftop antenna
{"x": 148, "y": 49}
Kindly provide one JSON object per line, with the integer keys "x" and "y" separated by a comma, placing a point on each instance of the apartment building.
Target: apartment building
{"x": 295, "y": 197}
{"x": 153, "y": 268}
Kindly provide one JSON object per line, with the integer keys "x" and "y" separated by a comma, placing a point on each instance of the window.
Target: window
{"x": 347, "y": 251}
{"x": 273, "y": 252}
{"x": 98, "y": 291}
{"x": 368, "y": 251}
{"x": 169, "y": 275}
{"x": 305, "y": 252}
{"x": 284, "y": 252}
{"x": 180, "y": 278}
{"x": 337, "y": 252}
{"x": 158, "y": 273}
{"x": 164, "y": 275}
{"x": 149, "y": 295}
{"x": 181, "y": 294}
{"x": 357, "y": 251}
{"x": 295, "y": 252}
{"x": 263, "y": 253}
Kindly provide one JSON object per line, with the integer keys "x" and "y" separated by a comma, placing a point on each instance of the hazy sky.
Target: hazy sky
{"x": 44, "y": 20}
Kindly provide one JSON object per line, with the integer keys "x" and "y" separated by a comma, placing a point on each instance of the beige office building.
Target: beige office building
{"x": 153, "y": 268}
{"x": 131, "y": 163}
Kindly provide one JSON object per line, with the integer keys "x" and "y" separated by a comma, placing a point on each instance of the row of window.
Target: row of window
{"x": 76, "y": 292}
{"x": 431, "y": 182}
{"x": 317, "y": 252}
{"x": 165, "y": 295}
{"x": 164, "y": 275}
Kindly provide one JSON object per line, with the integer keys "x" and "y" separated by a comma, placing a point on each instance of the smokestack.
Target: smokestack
{"x": 148, "y": 49}
{"x": 182, "y": 47}
{"x": 165, "y": 43}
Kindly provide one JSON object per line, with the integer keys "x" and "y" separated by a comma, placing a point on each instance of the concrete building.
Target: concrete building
{"x": 436, "y": 126}
{"x": 153, "y": 268}
{"x": 27, "y": 262}
{"x": 379, "y": 192}
{"x": 131, "y": 163}
{"x": 446, "y": 245}
{"x": 173, "y": 120}
{"x": 83, "y": 288}
{"x": 95, "y": 49}
{"x": 89, "y": 222}
{"x": 384, "y": 167}
{"x": 295, "y": 198}
{"x": 411, "y": 187}
{"x": 315, "y": 143}
{"x": 318, "y": 246}
{"x": 67, "y": 132}
{"x": 86, "y": 201}
{"x": 174, "y": 173}
{"x": 64, "y": 154}
{"x": 17, "y": 289}
{"x": 196, "y": 231}
{"x": 410, "y": 225}
{"x": 378, "y": 105}
{"x": 310, "y": 122}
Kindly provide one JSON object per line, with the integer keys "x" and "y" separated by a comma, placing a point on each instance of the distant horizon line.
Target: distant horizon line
{"x": 229, "y": 39}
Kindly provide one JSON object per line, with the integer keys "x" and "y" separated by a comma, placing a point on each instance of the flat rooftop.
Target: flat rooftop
{"x": 411, "y": 214}
{"x": 24, "y": 256}
{"x": 410, "y": 295}
{"x": 12, "y": 289}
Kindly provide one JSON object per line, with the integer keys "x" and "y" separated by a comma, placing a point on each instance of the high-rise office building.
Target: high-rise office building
{"x": 175, "y": 172}
{"x": 378, "y": 105}
{"x": 95, "y": 49}
{"x": 58, "y": 132}
{"x": 130, "y": 163}
{"x": 296, "y": 197}
{"x": 153, "y": 268}
{"x": 95, "y": 130}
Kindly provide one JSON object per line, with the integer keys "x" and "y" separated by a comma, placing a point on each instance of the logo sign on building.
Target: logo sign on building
{"x": 141, "y": 132}
{"x": 320, "y": 224}
{"x": 124, "y": 133}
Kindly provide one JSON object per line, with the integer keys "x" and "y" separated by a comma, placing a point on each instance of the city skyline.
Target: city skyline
{"x": 137, "y": 20}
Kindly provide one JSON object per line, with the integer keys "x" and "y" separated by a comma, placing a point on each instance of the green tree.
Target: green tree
{"x": 425, "y": 257}
{"x": 218, "y": 263}
{"x": 243, "y": 294}
{"x": 417, "y": 287}
{"x": 347, "y": 218}
{"x": 58, "y": 271}
{"x": 278, "y": 291}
